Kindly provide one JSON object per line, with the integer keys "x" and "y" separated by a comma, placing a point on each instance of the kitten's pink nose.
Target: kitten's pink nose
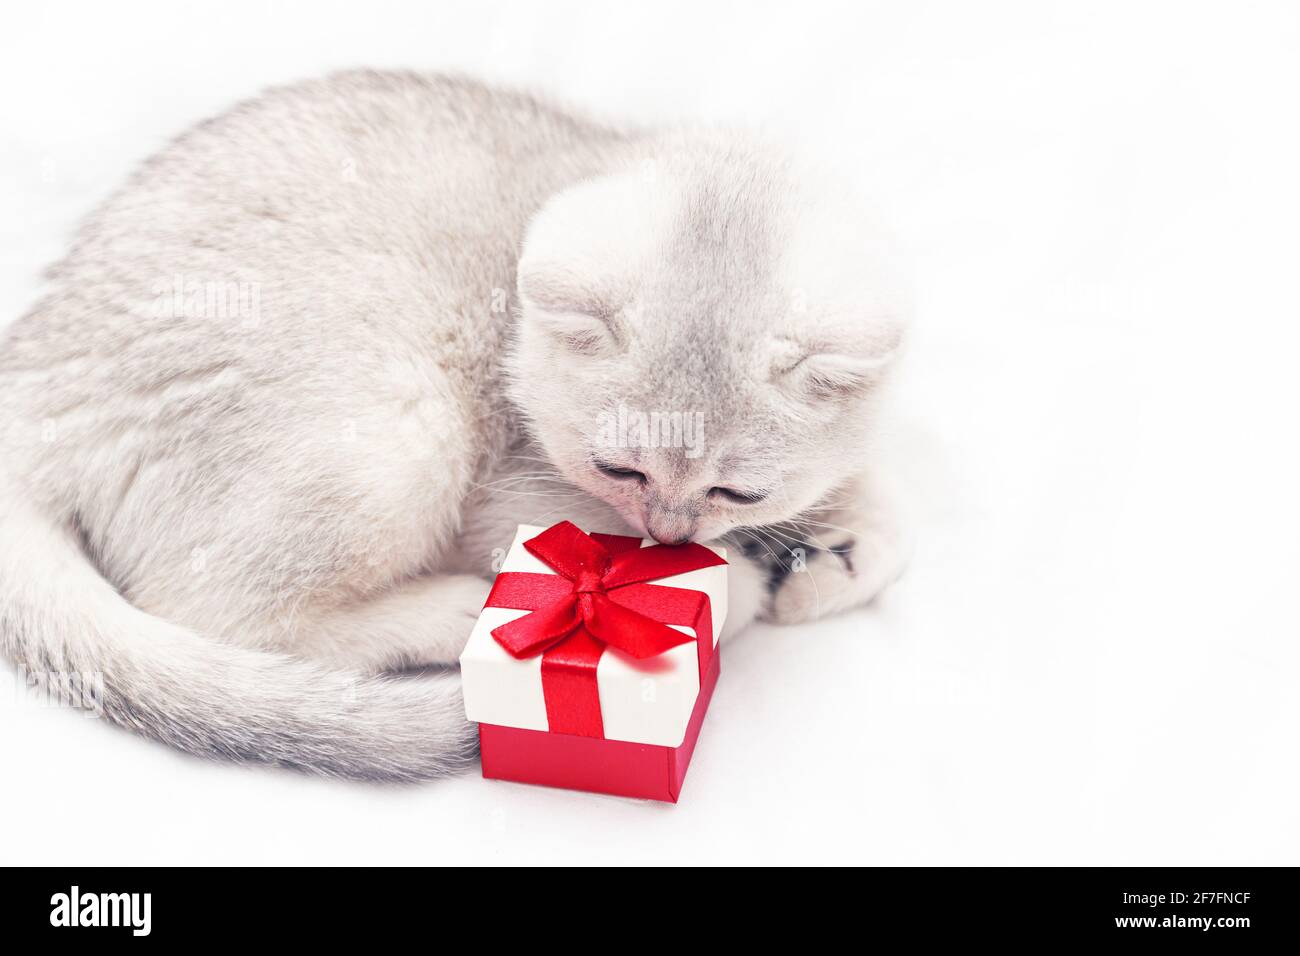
{"x": 669, "y": 527}
{"x": 680, "y": 539}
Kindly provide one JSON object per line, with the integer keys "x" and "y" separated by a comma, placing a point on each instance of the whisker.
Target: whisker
{"x": 761, "y": 543}
{"x": 534, "y": 494}
{"x": 798, "y": 542}
{"x": 827, "y": 525}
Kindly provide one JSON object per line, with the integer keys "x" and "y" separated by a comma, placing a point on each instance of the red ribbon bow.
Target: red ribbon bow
{"x": 597, "y": 598}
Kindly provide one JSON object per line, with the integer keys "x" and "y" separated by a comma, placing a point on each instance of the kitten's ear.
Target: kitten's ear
{"x": 569, "y": 310}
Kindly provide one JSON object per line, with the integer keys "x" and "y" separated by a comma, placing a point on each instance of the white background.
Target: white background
{"x": 1094, "y": 656}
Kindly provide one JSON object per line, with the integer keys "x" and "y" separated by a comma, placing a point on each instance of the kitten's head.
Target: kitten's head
{"x": 701, "y": 338}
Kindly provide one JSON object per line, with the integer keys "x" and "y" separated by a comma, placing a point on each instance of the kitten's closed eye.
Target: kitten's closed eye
{"x": 739, "y": 497}
{"x": 827, "y": 370}
{"x": 831, "y": 374}
{"x": 621, "y": 474}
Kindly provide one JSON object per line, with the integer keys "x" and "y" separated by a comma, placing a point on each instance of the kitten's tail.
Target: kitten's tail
{"x": 70, "y": 630}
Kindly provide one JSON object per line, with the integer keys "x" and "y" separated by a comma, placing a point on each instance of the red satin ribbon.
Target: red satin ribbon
{"x": 597, "y": 598}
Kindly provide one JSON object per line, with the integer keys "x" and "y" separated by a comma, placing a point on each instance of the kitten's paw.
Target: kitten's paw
{"x": 424, "y": 623}
{"x": 844, "y": 575}
{"x": 449, "y": 607}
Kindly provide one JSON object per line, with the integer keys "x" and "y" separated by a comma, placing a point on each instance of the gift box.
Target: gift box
{"x": 593, "y": 661}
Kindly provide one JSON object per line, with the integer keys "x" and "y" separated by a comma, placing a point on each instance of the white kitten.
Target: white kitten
{"x": 295, "y": 383}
